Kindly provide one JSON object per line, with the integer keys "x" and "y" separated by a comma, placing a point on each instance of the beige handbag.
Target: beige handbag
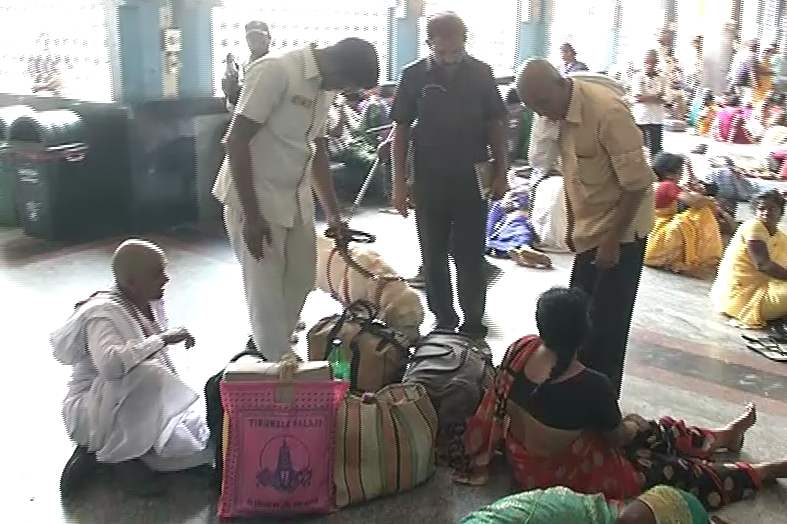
{"x": 384, "y": 443}
{"x": 377, "y": 354}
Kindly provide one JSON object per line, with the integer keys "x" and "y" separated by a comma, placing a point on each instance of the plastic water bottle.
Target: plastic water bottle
{"x": 340, "y": 365}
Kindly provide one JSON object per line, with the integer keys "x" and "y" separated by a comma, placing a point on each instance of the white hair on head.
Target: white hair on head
{"x": 133, "y": 254}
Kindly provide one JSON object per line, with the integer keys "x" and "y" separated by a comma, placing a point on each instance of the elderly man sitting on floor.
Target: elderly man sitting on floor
{"x": 126, "y": 405}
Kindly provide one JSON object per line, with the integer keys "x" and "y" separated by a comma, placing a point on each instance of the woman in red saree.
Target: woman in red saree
{"x": 559, "y": 424}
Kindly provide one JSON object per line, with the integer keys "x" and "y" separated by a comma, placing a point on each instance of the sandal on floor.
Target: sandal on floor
{"x": 772, "y": 354}
{"x": 766, "y": 348}
{"x": 530, "y": 258}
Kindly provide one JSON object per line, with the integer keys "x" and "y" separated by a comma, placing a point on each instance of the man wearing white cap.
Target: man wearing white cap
{"x": 258, "y": 38}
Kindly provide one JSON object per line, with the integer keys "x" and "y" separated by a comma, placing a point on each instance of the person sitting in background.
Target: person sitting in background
{"x": 764, "y": 115}
{"x": 559, "y": 505}
{"x": 570, "y": 62}
{"x": 347, "y": 144}
{"x": 559, "y": 424}
{"x": 509, "y": 233}
{"x": 732, "y": 185}
{"x": 729, "y": 126}
{"x": 682, "y": 242}
{"x": 126, "y": 405}
{"x": 706, "y": 114}
{"x": 751, "y": 285}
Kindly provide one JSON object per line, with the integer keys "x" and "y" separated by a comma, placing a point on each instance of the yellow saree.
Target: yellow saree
{"x": 684, "y": 242}
{"x": 741, "y": 290}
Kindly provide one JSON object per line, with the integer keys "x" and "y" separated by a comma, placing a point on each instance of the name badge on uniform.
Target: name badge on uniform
{"x": 302, "y": 101}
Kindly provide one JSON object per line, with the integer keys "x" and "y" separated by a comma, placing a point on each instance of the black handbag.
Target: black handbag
{"x": 215, "y": 413}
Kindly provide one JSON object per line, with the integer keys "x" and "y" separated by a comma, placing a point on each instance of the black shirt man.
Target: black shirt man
{"x": 459, "y": 116}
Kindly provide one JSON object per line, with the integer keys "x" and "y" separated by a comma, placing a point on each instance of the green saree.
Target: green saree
{"x": 547, "y": 506}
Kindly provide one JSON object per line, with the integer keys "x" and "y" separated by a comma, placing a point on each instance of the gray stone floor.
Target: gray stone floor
{"x": 683, "y": 361}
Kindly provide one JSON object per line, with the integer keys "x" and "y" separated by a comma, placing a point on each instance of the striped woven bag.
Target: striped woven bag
{"x": 384, "y": 443}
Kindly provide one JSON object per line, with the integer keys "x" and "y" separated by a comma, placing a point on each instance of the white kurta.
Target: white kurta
{"x": 548, "y": 216}
{"x": 125, "y": 400}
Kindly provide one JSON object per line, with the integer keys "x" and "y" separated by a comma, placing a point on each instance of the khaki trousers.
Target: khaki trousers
{"x": 276, "y": 286}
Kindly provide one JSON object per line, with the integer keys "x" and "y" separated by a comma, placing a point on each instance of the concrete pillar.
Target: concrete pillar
{"x": 403, "y": 35}
{"x": 721, "y": 29}
{"x": 614, "y": 35}
{"x": 194, "y": 19}
{"x": 670, "y": 8}
{"x": 534, "y": 18}
{"x": 135, "y": 49}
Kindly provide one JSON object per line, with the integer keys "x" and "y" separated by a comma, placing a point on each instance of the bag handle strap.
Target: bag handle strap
{"x": 354, "y": 311}
{"x": 334, "y": 332}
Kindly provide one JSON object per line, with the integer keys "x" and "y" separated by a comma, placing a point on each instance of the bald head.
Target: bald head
{"x": 542, "y": 88}
{"x": 138, "y": 267}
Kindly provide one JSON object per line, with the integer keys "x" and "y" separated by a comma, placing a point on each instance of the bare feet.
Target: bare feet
{"x": 735, "y": 432}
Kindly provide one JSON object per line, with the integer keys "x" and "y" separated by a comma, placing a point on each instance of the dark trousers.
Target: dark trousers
{"x": 653, "y": 135}
{"x": 613, "y": 293}
{"x": 451, "y": 219}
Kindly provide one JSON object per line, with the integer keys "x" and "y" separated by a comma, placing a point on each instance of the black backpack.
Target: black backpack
{"x": 215, "y": 412}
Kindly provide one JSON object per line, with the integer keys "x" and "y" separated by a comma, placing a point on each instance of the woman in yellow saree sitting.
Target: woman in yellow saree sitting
{"x": 687, "y": 241}
{"x": 751, "y": 285}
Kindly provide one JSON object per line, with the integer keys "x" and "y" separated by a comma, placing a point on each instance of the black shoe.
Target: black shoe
{"x": 492, "y": 273}
{"x": 139, "y": 479}
{"x": 250, "y": 345}
{"x": 440, "y": 326}
{"x": 78, "y": 470}
{"x": 417, "y": 282}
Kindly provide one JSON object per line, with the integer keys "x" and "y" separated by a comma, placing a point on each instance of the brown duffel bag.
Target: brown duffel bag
{"x": 377, "y": 354}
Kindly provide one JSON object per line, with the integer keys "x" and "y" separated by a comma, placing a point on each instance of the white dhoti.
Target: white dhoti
{"x": 277, "y": 285}
{"x": 125, "y": 400}
{"x": 548, "y": 215}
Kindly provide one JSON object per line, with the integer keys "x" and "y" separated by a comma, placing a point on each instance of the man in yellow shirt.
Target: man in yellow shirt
{"x": 609, "y": 200}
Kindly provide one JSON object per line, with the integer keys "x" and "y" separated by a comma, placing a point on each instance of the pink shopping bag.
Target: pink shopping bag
{"x": 279, "y": 448}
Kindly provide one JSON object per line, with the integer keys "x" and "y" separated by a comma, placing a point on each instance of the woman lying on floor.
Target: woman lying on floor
{"x": 688, "y": 241}
{"x": 751, "y": 285}
{"x": 559, "y": 424}
{"x": 509, "y": 233}
{"x": 659, "y": 505}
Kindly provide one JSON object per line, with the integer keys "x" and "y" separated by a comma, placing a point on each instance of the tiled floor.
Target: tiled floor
{"x": 683, "y": 361}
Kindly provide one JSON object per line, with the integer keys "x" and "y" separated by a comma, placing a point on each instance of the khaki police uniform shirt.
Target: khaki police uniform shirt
{"x": 283, "y": 94}
{"x": 601, "y": 156}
